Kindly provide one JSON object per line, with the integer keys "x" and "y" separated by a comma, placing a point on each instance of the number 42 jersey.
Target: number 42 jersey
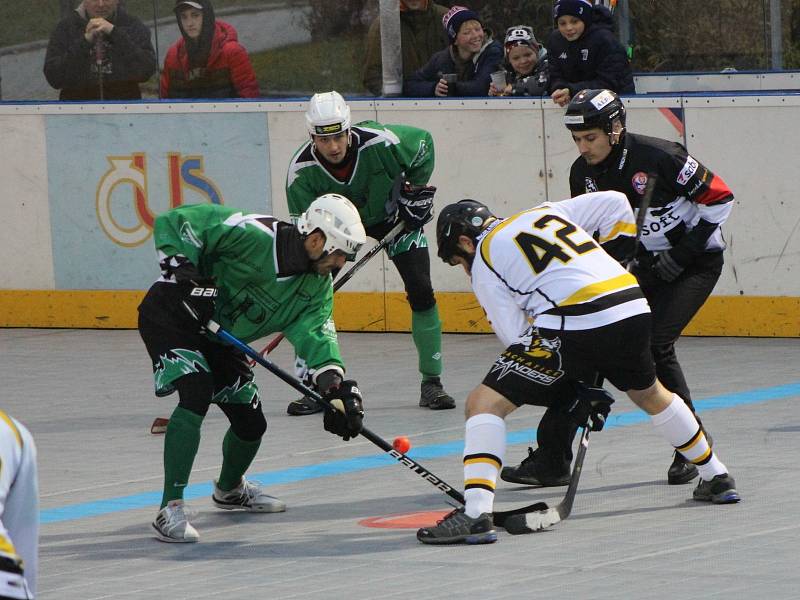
{"x": 546, "y": 265}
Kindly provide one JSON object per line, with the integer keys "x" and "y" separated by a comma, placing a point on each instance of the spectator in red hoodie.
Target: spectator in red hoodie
{"x": 208, "y": 61}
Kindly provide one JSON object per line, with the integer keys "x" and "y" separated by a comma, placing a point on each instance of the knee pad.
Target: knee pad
{"x": 194, "y": 392}
{"x": 247, "y": 420}
{"x": 414, "y": 267}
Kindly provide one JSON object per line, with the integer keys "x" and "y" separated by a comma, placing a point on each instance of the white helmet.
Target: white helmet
{"x": 339, "y": 220}
{"x": 327, "y": 114}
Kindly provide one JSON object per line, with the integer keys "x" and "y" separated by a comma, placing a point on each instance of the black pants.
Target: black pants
{"x": 673, "y": 305}
{"x": 414, "y": 267}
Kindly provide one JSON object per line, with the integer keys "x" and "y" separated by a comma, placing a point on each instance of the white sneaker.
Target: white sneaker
{"x": 171, "y": 524}
{"x": 248, "y": 496}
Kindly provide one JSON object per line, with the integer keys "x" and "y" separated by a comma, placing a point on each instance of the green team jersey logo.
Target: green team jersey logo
{"x": 189, "y": 236}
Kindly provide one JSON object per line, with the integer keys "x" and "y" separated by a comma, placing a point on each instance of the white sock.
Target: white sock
{"x": 679, "y": 427}
{"x": 484, "y": 451}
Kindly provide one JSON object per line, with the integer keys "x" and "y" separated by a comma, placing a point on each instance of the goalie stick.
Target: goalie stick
{"x": 540, "y": 516}
{"x": 500, "y": 517}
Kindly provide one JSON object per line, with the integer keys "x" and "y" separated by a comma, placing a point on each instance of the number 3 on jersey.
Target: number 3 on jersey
{"x": 553, "y": 243}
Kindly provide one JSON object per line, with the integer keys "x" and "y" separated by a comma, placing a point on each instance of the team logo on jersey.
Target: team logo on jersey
{"x": 125, "y": 217}
{"x": 535, "y": 358}
{"x": 563, "y": 56}
{"x": 639, "y": 182}
{"x": 584, "y": 54}
{"x": 689, "y": 169}
{"x": 591, "y": 186}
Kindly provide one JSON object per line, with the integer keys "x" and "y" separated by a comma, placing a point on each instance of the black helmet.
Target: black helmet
{"x": 465, "y": 217}
{"x": 594, "y": 108}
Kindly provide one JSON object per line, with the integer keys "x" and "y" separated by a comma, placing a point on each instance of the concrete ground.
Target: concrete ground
{"x": 87, "y": 398}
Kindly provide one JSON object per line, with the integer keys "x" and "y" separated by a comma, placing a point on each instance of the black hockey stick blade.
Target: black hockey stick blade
{"x": 540, "y": 516}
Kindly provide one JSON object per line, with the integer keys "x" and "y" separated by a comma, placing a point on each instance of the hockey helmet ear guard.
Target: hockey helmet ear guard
{"x": 338, "y": 219}
{"x": 465, "y": 217}
{"x": 327, "y": 114}
{"x": 591, "y": 109}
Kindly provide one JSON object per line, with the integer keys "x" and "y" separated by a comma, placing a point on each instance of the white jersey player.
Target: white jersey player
{"x": 19, "y": 511}
{"x": 568, "y": 313}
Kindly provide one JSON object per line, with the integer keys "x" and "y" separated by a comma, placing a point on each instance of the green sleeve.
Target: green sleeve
{"x": 183, "y": 230}
{"x": 299, "y": 194}
{"x": 415, "y": 152}
{"x": 314, "y": 334}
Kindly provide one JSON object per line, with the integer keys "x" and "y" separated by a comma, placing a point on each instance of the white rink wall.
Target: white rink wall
{"x": 79, "y": 180}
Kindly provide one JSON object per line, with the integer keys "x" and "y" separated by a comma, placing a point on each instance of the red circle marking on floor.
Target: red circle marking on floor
{"x": 413, "y": 520}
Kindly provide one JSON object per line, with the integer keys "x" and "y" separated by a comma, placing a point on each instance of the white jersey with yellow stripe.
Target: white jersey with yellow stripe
{"x": 19, "y": 510}
{"x": 543, "y": 265}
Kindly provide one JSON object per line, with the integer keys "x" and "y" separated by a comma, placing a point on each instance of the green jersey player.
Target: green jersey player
{"x": 384, "y": 170}
{"x": 254, "y": 275}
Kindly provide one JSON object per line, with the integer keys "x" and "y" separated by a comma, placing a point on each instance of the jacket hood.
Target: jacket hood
{"x": 199, "y": 49}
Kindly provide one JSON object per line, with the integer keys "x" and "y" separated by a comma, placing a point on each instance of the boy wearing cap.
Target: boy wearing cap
{"x": 584, "y": 52}
{"x": 208, "y": 61}
{"x": 527, "y": 67}
{"x": 471, "y": 57}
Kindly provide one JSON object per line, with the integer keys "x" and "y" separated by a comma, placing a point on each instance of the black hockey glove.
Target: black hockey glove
{"x": 415, "y": 205}
{"x": 346, "y": 422}
{"x": 591, "y": 406}
{"x": 666, "y": 267}
{"x": 200, "y": 296}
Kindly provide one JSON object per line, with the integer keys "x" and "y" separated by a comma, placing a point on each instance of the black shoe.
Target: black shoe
{"x": 681, "y": 470}
{"x": 720, "y": 490}
{"x": 303, "y": 406}
{"x": 458, "y": 528}
{"x": 433, "y": 396}
{"x": 530, "y": 473}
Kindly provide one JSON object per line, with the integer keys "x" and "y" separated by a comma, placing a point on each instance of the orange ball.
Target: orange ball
{"x": 401, "y": 444}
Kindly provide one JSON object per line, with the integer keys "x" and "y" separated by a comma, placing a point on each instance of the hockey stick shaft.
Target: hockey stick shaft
{"x": 387, "y": 239}
{"x": 539, "y": 516}
{"x": 404, "y": 460}
{"x": 641, "y": 215}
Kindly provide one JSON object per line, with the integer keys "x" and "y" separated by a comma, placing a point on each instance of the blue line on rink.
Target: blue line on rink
{"x": 339, "y": 467}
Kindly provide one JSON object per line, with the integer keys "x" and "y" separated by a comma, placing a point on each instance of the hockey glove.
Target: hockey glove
{"x": 591, "y": 406}
{"x": 346, "y": 419}
{"x": 200, "y": 296}
{"x": 415, "y": 205}
{"x": 666, "y": 267}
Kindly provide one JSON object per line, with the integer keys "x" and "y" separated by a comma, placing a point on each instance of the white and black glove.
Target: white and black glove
{"x": 415, "y": 205}
{"x": 591, "y": 406}
{"x": 200, "y": 296}
{"x": 346, "y": 419}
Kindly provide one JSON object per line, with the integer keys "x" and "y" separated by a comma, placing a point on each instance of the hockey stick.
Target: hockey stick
{"x": 650, "y": 186}
{"x": 387, "y": 239}
{"x": 404, "y": 460}
{"x": 160, "y": 423}
{"x": 500, "y": 517}
{"x": 540, "y": 516}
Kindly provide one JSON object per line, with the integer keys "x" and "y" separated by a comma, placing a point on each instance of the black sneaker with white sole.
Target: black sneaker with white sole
{"x": 531, "y": 471}
{"x": 721, "y": 489}
{"x": 303, "y": 406}
{"x": 681, "y": 470}
{"x": 458, "y": 528}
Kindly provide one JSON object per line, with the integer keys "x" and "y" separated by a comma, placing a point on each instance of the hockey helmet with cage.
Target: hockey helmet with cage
{"x": 338, "y": 219}
{"x": 465, "y": 217}
{"x": 591, "y": 109}
{"x": 327, "y": 114}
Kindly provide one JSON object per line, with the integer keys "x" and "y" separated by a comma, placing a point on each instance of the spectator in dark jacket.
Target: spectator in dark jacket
{"x": 421, "y": 35}
{"x": 208, "y": 61}
{"x": 99, "y": 52}
{"x": 584, "y": 52}
{"x": 471, "y": 56}
{"x": 526, "y": 64}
